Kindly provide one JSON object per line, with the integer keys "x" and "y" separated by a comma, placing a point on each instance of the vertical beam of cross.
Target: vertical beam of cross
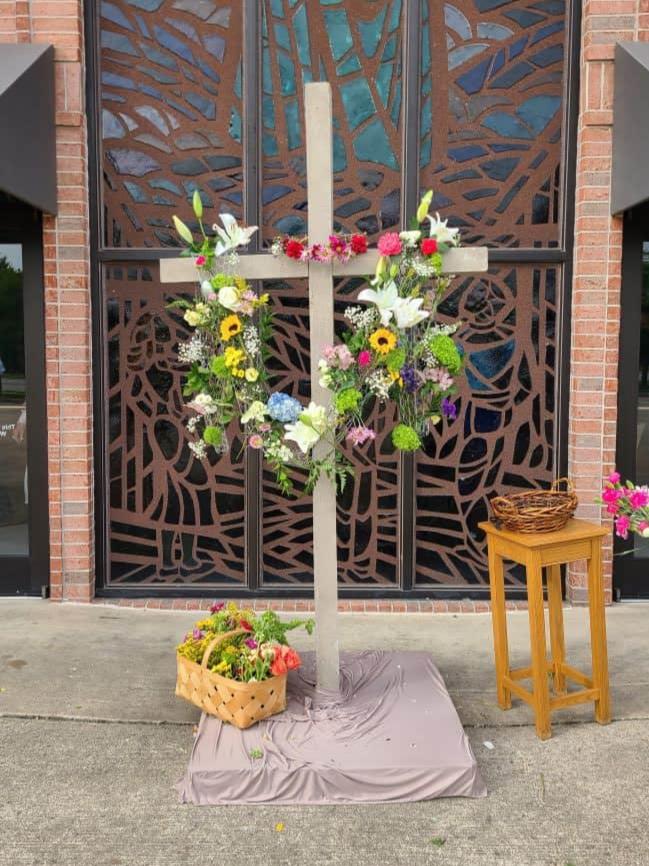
{"x": 319, "y": 170}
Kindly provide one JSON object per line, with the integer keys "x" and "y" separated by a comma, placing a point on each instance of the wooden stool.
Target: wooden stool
{"x": 577, "y": 540}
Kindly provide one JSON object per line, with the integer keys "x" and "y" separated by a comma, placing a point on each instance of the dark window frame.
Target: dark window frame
{"x": 560, "y": 255}
{"x": 28, "y": 575}
{"x": 629, "y": 572}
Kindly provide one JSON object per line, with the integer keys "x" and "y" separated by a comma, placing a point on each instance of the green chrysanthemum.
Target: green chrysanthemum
{"x": 446, "y": 353}
{"x": 405, "y": 438}
{"x": 348, "y": 400}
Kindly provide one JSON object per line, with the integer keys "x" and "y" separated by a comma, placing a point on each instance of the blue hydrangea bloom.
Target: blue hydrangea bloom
{"x": 282, "y": 407}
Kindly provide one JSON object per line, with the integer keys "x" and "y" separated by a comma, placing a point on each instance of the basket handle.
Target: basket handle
{"x": 216, "y": 641}
{"x": 570, "y": 487}
{"x": 501, "y": 503}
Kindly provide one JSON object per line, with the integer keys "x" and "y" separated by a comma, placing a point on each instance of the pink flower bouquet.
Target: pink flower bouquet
{"x": 628, "y": 504}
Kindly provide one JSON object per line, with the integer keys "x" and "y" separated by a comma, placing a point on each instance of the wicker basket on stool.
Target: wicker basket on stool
{"x": 240, "y": 704}
{"x": 536, "y": 510}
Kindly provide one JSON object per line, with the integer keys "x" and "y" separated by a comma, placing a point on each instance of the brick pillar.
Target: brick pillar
{"x": 597, "y": 267}
{"x": 67, "y": 298}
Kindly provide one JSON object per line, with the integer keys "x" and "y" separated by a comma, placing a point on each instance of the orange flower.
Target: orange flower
{"x": 291, "y": 658}
{"x": 278, "y": 665}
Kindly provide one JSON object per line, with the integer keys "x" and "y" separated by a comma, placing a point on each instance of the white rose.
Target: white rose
{"x": 229, "y": 298}
{"x": 410, "y": 238}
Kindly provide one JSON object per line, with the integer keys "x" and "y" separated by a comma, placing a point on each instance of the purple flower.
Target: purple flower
{"x": 449, "y": 409}
{"x": 409, "y": 379}
{"x": 217, "y": 606}
{"x": 197, "y": 634}
{"x": 251, "y": 643}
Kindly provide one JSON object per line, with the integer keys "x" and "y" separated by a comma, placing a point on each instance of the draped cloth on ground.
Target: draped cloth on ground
{"x": 392, "y": 735}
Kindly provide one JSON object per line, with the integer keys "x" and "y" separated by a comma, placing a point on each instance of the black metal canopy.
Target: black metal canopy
{"x": 27, "y": 130}
{"x": 630, "y": 177}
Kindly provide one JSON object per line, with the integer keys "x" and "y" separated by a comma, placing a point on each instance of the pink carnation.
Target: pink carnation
{"x": 612, "y": 508}
{"x": 614, "y": 478}
{"x": 255, "y": 441}
{"x": 622, "y": 525}
{"x": 639, "y": 499}
{"x": 360, "y": 435}
{"x": 200, "y": 261}
{"x": 643, "y": 525}
{"x": 610, "y": 494}
{"x": 364, "y": 358}
{"x": 390, "y": 244}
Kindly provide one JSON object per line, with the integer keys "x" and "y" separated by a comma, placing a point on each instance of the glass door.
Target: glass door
{"x": 23, "y": 471}
{"x": 631, "y": 571}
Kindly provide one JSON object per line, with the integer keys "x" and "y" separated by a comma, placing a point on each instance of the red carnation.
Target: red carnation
{"x": 244, "y": 624}
{"x": 359, "y": 244}
{"x": 294, "y": 249}
{"x": 429, "y": 246}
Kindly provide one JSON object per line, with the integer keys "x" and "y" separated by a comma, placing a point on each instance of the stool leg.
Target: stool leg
{"x": 537, "y": 644}
{"x": 557, "y": 639}
{"x": 598, "y": 633}
{"x": 499, "y": 623}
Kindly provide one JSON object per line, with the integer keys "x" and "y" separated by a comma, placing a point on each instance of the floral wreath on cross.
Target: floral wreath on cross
{"x": 393, "y": 350}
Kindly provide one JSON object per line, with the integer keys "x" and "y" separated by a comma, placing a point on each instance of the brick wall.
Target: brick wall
{"x": 67, "y": 298}
{"x": 598, "y": 262}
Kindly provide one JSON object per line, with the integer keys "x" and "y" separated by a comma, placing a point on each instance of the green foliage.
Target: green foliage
{"x": 269, "y": 628}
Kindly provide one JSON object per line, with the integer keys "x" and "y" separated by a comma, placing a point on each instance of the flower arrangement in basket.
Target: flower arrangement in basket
{"x": 234, "y": 664}
{"x": 628, "y": 504}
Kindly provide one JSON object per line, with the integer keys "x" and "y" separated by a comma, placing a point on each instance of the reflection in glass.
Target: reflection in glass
{"x": 14, "y": 539}
{"x": 642, "y": 440}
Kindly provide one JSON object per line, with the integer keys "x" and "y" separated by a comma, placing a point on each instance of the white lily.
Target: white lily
{"x": 410, "y": 238}
{"x": 441, "y": 232}
{"x": 384, "y": 299}
{"x": 407, "y": 313}
{"x": 303, "y": 434}
{"x": 255, "y": 412}
{"x": 229, "y": 298}
{"x": 232, "y": 234}
{"x": 315, "y": 416}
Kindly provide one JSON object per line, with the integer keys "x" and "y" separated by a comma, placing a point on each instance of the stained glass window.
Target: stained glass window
{"x": 170, "y": 115}
{"x": 172, "y": 118}
{"x": 491, "y": 112}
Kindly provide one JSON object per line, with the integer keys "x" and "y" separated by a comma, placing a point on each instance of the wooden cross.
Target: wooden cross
{"x": 265, "y": 266}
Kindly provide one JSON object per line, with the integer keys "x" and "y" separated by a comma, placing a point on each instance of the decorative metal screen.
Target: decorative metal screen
{"x": 181, "y": 83}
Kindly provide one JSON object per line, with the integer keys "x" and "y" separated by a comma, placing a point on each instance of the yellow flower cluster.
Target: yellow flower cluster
{"x": 198, "y": 316}
{"x": 233, "y": 358}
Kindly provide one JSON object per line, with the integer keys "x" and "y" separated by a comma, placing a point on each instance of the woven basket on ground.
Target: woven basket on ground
{"x": 240, "y": 704}
{"x": 536, "y": 510}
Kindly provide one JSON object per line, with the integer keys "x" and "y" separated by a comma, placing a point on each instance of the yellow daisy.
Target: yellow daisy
{"x": 383, "y": 341}
{"x": 230, "y": 327}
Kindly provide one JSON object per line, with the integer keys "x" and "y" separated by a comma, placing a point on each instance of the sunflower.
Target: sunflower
{"x": 230, "y": 327}
{"x": 383, "y": 341}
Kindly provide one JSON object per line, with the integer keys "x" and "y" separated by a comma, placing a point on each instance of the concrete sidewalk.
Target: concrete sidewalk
{"x": 92, "y": 740}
